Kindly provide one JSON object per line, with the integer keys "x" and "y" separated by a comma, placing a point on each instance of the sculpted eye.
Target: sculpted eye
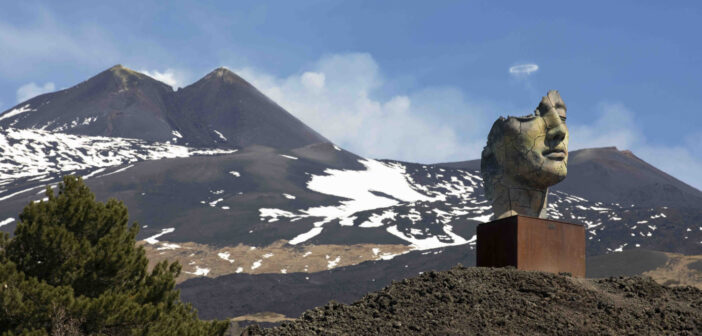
{"x": 563, "y": 119}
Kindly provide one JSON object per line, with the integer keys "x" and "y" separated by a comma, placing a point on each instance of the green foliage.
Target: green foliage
{"x": 72, "y": 268}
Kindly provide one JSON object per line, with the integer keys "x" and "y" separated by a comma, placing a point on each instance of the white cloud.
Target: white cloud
{"x": 523, "y": 69}
{"x": 338, "y": 98}
{"x": 31, "y": 90}
{"x": 616, "y": 126}
{"x": 313, "y": 81}
{"x": 174, "y": 78}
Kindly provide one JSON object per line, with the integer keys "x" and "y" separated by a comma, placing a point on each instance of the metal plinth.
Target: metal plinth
{"x": 532, "y": 244}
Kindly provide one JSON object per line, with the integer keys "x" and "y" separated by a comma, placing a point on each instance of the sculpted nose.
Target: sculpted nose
{"x": 556, "y": 133}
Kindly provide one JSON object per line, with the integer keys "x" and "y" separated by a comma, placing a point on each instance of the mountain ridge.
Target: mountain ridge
{"x": 615, "y": 174}
{"x": 221, "y": 110}
{"x": 269, "y": 197}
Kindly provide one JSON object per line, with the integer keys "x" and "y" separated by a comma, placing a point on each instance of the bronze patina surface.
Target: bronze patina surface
{"x": 523, "y": 157}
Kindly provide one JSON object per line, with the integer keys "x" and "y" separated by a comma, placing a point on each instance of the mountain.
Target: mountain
{"x": 221, "y": 110}
{"x": 225, "y": 110}
{"x": 610, "y": 175}
{"x": 235, "y": 188}
{"x": 117, "y": 102}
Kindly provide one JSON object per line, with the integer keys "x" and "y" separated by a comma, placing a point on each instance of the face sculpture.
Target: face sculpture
{"x": 524, "y": 156}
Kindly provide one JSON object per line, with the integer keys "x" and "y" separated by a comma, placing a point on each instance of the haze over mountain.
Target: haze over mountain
{"x": 224, "y": 180}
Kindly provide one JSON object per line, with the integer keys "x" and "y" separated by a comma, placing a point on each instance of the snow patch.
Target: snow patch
{"x": 152, "y": 240}
{"x": 200, "y": 271}
{"x": 332, "y": 263}
{"x": 168, "y": 246}
{"x": 220, "y": 135}
{"x": 305, "y": 236}
{"x": 377, "y": 220}
{"x": 16, "y": 111}
{"x": 32, "y": 152}
{"x": 430, "y": 242}
{"x": 225, "y": 256}
{"x": 214, "y": 203}
{"x": 7, "y": 221}
{"x": 358, "y": 187}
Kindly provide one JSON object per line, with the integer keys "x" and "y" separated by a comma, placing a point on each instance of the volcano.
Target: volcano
{"x": 237, "y": 189}
{"x": 221, "y": 110}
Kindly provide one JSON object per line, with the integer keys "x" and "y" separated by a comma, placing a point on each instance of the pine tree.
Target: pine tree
{"x": 72, "y": 268}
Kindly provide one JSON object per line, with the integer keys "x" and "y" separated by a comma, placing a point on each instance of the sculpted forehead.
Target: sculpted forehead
{"x": 555, "y": 101}
{"x": 523, "y": 146}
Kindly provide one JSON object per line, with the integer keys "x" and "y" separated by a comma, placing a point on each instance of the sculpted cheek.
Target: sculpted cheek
{"x": 532, "y": 156}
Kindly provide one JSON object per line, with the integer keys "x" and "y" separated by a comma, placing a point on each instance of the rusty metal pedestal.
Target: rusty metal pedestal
{"x": 533, "y": 244}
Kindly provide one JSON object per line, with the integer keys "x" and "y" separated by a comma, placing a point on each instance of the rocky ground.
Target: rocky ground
{"x": 484, "y": 301}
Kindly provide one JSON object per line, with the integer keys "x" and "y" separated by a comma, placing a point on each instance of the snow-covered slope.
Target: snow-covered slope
{"x": 390, "y": 193}
{"x": 261, "y": 195}
{"x": 37, "y": 153}
{"x": 287, "y": 183}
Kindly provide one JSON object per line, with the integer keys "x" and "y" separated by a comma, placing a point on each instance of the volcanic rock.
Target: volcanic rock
{"x": 484, "y": 301}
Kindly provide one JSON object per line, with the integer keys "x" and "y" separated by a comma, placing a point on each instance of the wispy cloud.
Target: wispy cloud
{"x": 523, "y": 70}
{"x": 614, "y": 126}
{"x": 337, "y": 96}
{"x": 176, "y": 79}
{"x": 31, "y": 90}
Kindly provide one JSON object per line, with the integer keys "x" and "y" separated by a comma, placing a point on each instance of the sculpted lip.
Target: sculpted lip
{"x": 555, "y": 154}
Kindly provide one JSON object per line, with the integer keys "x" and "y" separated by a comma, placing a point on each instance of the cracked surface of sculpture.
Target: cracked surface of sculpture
{"x": 523, "y": 157}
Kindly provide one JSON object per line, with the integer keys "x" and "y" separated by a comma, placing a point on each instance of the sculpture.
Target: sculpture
{"x": 523, "y": 157}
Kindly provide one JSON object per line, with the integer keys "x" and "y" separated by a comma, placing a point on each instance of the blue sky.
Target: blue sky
{"x": 417, "y": 81}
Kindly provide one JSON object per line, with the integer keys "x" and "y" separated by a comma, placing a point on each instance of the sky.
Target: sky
{"x": 417, "y": 81}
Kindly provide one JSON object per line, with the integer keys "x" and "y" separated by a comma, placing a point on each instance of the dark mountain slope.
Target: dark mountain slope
{"x": 610, "y": 175}
{"x": 224, "y": 109}
{"x": 221, "y": 110}
{"x": 117, "y": 102}
{"x": 614, "y": 175}
{"x": 291, "y": 294}
{"x": 323, "y": 195}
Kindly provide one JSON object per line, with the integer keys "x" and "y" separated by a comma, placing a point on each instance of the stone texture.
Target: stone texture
{"x": 503, "y": 301}
{"x": 523, "y": 157}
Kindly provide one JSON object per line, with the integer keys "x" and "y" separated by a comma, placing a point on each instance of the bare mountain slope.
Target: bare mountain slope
{"x": 117, "y": 102}
{"x": 221, "y": 110}
{"x": 610, "y": 175}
